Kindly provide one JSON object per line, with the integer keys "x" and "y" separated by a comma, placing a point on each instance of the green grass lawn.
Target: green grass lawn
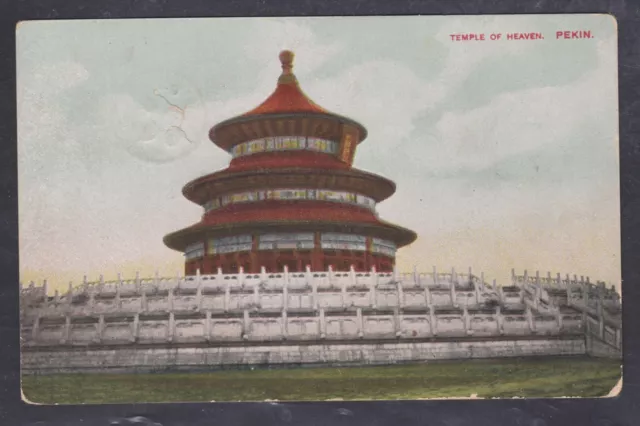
{"x": 548, "y": 377}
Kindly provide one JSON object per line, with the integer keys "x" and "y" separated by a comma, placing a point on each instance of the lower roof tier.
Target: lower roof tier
{"x": 227, "y": 181}
{"x": 282, "y": 216}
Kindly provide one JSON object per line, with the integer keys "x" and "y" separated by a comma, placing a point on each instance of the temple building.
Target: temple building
{"x": 290, "y": 196}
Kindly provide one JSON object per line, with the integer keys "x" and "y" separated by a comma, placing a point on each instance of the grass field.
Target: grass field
{"x": 549, "y": 377}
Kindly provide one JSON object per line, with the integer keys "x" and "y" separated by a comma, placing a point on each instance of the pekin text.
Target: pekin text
{"x": 564, "y": 35}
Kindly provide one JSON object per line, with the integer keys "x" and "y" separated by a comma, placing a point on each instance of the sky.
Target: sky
{"x": 505, "y": 153}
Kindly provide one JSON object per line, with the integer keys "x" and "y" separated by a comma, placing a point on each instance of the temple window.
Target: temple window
{"x": 291, "y": 194}
{"x": 194, "y": 251}
{"x": 336, "y": 241}
{"x": 385, "y": 247}
{"x": 299, "y": 240}
{"x": 230, "y": 244}
{"x": 284, "y": 143}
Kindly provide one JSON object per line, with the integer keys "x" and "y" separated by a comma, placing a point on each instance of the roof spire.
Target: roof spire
{"x": 287, "y": 76}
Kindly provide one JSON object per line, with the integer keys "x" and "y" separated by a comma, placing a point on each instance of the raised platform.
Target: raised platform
{"x": 156, "y": 358}
{"x": 314, "y": 317}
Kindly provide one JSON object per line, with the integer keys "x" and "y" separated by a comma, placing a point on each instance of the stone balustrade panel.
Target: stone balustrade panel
{"x": 415, "y": 326}
{"x": 185, "y": 303}
{"x": 51, "y": 334}
{"x": 303, "y": 329}
{"x": 226, "y": 329}
{"x": 341, "y": 328}
{"x": 83, "y": 334}
{"x": 131, "y": 304}
{"x": 451, "y": 325}
{"x": 154, "y": 331}
{"x": 213, "y": 302}
{"x": 414, "y": 298}
{"x": 117, "y": 333}
{"x": 265, "y": 329}
{"x": 516, "y": 325}
{"x": 379, "y": 326}
{"x": 192, "y": 330}
{"x": 158, "y": 304}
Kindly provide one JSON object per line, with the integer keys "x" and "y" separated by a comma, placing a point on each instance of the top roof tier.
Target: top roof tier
{"x": 286, "y": 112}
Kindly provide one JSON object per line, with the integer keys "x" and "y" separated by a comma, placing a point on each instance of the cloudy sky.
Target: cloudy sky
{"x": 505, "y": 153}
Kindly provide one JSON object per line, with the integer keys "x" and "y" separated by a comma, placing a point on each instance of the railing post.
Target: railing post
{"x": 396, "y": 322}
{"x": 170, "y": 298}
{"x": 172, "y": 327}
{"x": 499, "y": 320}
{"x": 44, "y": 290}
{"x": 136, "y": 327}
{"x": 198, "y": 289}
{"x": 207, "y": 325}
{"x": 246, "y": 324}
{"x": 66, "y": 337}
{"x": 241, "y": 276}
{"x": 400, "y": 294}
{"x": 452, "y": 288}
{"x": 466, "y": 319}
{"x": 372, "y": 288}
{"x": 322, "y": 324}
{"x": 314, "y": 287}
{"x": 143, "y": 300}
{"x": 285, "y": 328}
{"x": 100, "y": 329}
{"x": 70, "y": 293}
{"x": 416, "y": 277}
{"x": 427, "y": 295}
{"x": 530, "y": 320}
{"x": 227, "y": 291}
{"x": 360, "y": 322}
{"x": 285, "y": 289}
{"x": 35, "y": 329}
{"x": 343, "y": 292}
{"x": 433, "y": 321}
{"x": 559, "y": 320}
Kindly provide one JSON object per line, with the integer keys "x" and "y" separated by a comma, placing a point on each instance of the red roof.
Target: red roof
{"x": 271, "y": 210}
{"x": 288, "y": 97}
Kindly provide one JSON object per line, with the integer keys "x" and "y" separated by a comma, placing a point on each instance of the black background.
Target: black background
{"x": 619, "y": 411}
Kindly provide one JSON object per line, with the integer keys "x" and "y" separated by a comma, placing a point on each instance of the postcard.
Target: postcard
{"x": 335, "y": 208}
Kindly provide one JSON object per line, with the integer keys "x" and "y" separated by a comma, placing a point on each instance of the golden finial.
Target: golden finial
{"x": 286, "y": 59}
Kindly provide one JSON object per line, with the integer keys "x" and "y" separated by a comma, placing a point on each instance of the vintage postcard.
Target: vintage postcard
{"x": 336, "y": 208}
